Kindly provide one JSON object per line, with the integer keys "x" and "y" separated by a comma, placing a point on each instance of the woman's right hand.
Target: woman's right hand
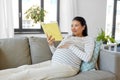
{"x": 50, "y": 40}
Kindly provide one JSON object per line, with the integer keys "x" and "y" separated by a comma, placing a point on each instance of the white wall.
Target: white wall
{"x": 94, "y": 11}
{"x": 68, "y": 9}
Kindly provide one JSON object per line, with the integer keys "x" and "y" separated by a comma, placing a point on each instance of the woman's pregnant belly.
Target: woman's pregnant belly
{"x": 66, "y": 56}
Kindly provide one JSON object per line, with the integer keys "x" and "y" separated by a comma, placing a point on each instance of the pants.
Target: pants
{"x": 42, "y": 71}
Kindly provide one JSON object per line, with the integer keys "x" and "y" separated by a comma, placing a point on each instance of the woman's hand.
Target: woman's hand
{"x": 50, "y": 40}
{"x": 66, "y": 45}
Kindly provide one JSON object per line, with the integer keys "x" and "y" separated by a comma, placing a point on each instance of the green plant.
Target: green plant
{"x": 105, "y": 38}
{"x": 35, "y": 13}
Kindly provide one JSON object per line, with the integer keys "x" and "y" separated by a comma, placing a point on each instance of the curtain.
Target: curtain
{"x": 6, "y": 21}
{"x": 68, "y": 10}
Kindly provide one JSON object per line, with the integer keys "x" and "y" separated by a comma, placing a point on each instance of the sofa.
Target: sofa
{"x": 15, "y": 52}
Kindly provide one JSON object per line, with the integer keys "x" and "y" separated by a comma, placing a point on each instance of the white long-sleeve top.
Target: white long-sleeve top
{"x": 81, "y": 48}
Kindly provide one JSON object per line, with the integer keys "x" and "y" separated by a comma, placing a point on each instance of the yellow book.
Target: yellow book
{"x": 53, "y": 30}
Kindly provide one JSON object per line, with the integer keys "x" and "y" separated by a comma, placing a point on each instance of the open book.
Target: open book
{"x": 53, "y": 30}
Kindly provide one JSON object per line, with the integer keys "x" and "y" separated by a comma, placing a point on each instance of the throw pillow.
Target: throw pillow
{"x": 39, "y": 49}
{"x": 86, "y": 66}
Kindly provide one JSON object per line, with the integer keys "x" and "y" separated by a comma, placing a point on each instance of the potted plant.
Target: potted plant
{"x": 36, "y": 14}
{"x": 105, "y": 38}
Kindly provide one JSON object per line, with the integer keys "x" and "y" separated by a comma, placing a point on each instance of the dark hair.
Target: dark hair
{"x": 83, "y": 23}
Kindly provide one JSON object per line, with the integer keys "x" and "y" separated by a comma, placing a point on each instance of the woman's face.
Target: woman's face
{"x": 77, "y": 28}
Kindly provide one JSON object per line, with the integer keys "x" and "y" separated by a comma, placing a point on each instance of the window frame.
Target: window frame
{"x": 20, "y": 30}
{"x": 114, "y": 18}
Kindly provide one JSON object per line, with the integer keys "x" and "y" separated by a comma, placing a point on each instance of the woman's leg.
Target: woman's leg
{"x": 62, "y": 71}
{"x": 24, "y": 67}
{"x": 44, "y": 73}
{"x": 38, "y": 65}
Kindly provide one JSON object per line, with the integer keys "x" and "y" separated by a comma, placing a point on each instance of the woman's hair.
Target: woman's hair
{"x": 83, "y": 23}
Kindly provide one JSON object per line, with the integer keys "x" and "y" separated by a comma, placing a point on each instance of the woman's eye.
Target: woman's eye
{"x": 76, "y": 25}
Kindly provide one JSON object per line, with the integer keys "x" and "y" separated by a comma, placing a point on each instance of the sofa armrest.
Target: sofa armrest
{"x": 110, "y": 61}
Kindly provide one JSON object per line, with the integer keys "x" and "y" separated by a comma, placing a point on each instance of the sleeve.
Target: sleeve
{"x": 52, "y": 48}
{"x": 85, "y": 55}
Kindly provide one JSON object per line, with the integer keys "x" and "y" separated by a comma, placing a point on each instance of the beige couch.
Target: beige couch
{"x": 15, "y": 52}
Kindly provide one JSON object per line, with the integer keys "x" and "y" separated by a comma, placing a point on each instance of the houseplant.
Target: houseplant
{"x": 35, "y": 13}
{"x": 105, "y": 38}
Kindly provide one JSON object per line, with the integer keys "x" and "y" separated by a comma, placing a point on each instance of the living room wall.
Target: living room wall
{"x": 95, "y": 14}
{"x": 93, "y": 11}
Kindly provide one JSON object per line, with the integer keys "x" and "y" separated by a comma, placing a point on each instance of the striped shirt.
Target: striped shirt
{"x": 81, "y": 48}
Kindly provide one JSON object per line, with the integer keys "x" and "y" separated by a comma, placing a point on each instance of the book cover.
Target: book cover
{"x": 53, "y": 30}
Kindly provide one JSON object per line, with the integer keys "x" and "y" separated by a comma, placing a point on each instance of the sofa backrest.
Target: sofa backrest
{"x": 14, "y": 52}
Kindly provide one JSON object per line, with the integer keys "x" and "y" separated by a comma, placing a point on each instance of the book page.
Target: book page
{"x": 53, "y": 30}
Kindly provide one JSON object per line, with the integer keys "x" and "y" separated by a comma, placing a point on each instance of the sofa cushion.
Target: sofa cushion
{"x": 86, "y": 66}
{"x": 39, "y": 49}
{"x": 91, "y": 75}
{"x": 14, "y": 52}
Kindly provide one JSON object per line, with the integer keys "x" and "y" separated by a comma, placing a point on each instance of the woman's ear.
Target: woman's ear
{"x": 83, "y": 27}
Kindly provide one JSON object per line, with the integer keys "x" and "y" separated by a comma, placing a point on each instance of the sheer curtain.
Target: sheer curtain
{"x": 6, "y": 21}
{"x": 68, "y": 10}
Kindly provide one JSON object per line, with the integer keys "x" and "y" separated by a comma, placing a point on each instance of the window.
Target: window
{"x": 113, "y": 19}
{"x": 21, "y": 24}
